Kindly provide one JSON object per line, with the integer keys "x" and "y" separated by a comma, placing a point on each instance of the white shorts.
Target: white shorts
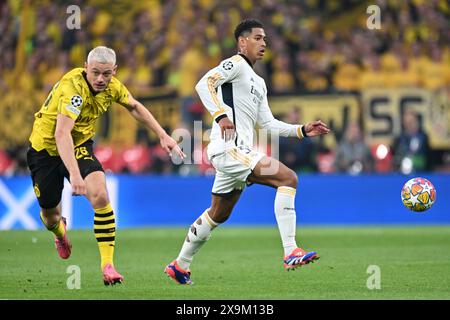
{"x": 233, "y": 168}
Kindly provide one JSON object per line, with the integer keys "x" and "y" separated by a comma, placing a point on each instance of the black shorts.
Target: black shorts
{"x": 48, "y": 172}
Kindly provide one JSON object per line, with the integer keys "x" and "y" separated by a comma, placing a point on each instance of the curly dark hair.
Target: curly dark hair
{"x": 246, "y": 26}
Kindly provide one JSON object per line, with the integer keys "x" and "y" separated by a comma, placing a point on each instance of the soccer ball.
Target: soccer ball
{"x": 418, "y": 194}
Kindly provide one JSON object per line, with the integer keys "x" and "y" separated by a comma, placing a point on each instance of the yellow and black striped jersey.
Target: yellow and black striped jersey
{"x": 74, "y": 97}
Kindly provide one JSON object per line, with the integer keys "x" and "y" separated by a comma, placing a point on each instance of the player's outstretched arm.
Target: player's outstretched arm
{"x": 141, "y": 113}
{"x": 267, "y": 121}
{"x": 64, "y": 143}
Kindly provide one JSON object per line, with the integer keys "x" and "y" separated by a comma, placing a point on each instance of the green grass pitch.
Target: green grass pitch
{"x": 237, "y": 263}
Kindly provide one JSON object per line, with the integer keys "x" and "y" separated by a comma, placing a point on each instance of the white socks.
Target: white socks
{"x": 200, "y": 230}
{"x": 198, "y": 234}
{"x": 286, "y": 218}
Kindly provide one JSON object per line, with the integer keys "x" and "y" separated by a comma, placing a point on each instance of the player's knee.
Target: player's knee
{"x": 291, "y": 179}
{"x": 99, "y": 199}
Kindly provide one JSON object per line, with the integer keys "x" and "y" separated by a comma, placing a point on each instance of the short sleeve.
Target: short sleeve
{"x": 71, "y": 101}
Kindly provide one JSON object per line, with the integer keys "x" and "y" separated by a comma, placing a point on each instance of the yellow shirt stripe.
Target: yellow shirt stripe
{"x": 212, "y": 81}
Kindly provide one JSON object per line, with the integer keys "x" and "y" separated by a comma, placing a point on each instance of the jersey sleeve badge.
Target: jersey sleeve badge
{"x": 227, "y": 65}
{"x": 76, "y": 101}
{"x": 75, "y": 105}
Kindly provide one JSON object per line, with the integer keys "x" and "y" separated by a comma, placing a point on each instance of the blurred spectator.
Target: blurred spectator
{"x": 411, "y": 147}
{"x": 164, "y": 46}
{"x": 436, "y": 70}
{"x": 299, "y": 155}
{"x": 196, "y": 109}
{"x": 353, "y": 154}
{"x": 404, "y": 77}
{"x": 311, "y": 75}
{"x": 282, "y": 78}
{"x": 347, "y": 76}
{"x": 372, "y": 76}
{"x": 190, "y": 67}
{"x": 308, "y": 48}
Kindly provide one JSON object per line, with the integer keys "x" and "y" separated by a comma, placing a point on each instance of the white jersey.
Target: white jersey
{"x": 233, "y": 89}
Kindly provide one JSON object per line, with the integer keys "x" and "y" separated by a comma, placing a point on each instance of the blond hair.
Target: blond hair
{"x": 102, "y": 54}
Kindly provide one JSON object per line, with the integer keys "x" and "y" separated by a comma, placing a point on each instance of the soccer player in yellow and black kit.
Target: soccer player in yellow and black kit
{"x": 62, "y": 146}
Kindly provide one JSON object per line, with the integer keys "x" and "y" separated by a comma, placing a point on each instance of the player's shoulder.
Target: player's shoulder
{"x": 72, "y": 83}
{"x": 73, "y": 79}
{"x": 232, "y": 62}
{"x": 116, "y": 84}
{"x": 73, "y": 75}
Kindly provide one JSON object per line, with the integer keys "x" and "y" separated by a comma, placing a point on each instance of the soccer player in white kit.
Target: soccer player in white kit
{"x": 236, "y": 97}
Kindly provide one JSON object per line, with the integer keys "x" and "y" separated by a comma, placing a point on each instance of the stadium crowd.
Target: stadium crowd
{"x": 164, "y": 47}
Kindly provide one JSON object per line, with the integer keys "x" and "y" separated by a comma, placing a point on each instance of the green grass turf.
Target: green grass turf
{"x": 237, "y": 263}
